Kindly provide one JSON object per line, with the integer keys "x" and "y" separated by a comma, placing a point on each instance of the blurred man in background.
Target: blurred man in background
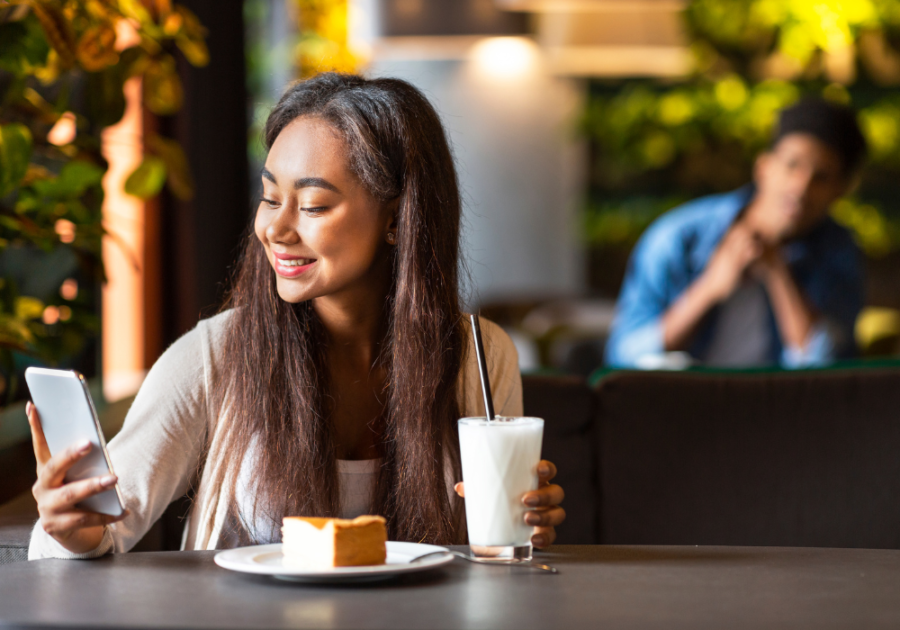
{"x": 759, "y": 276}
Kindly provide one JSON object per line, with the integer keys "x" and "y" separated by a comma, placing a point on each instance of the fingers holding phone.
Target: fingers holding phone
{"x": 76, "y": 529}
{"x": 41, "y": 450}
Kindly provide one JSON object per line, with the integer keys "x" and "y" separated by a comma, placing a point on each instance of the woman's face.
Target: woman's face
{"x": 323, "y": 233}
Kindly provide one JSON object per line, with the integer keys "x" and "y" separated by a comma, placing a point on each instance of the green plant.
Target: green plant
{"x": 324, "y": 37}
{"x": 619, "y": 222}
{"x": 63, "y": 65}
{"x": 700, "y": 135}
{"x": 318, "y": 40}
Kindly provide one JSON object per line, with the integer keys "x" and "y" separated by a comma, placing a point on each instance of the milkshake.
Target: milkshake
{"x": 499, "y": 465}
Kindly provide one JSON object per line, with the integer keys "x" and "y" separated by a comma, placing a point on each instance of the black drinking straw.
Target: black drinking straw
{"x": 482, "y": 368}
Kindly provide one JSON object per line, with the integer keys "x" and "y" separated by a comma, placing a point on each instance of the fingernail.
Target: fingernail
{"x": 84, "y": 446}
{"x": 108, "y": 480}
{"x": 543, "y": 469}
{"x": 537, "y": 541}
{"x": 531, "y": 501}
{"x": 28, "y": 408}
{"x": 532, "y": 518}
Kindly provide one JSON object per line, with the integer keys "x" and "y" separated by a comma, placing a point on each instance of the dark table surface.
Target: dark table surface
{"x": 598, "y": 587}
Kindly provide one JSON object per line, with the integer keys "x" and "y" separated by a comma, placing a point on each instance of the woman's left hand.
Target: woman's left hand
{"x": 546, "y": 513}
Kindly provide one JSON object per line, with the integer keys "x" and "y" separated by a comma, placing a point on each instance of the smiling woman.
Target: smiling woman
{"x": 321, "y": 229}
{"x": 331, "y": 383}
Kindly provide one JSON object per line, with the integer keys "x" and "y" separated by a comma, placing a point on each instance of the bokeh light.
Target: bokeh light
{"x": 50, "y": 315}
{"x": 69, "y": 289}
{"x": 505, "y": 58}
{"x": 64, "y": 131}
{"x": 66, "y": 230}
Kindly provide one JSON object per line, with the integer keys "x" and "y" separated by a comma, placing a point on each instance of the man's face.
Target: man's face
{"x": 797, "y": 181}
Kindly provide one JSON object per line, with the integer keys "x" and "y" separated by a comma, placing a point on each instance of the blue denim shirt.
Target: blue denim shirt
{"x": 674, "y": 251}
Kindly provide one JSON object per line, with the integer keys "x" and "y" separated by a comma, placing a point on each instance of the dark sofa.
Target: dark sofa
{"x": 809, "y": 458}
{"x": 787, "y": 459}
{"x": 803, "y": 458}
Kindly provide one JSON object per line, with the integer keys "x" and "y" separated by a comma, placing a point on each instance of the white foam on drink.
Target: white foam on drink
{"x": 499, "y": 465}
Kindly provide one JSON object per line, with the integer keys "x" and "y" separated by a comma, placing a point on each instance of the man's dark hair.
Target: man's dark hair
{"x": 833, "y": 124}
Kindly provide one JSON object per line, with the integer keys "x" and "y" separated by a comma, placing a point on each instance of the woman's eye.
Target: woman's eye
{"x": 314, "y": 211}
{"x": 269, "y": 202}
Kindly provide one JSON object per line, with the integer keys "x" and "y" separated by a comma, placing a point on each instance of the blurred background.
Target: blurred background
{"x": 131, "y": 148}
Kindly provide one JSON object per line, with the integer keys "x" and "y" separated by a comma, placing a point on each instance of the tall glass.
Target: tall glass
{"x": 499, "y": 465}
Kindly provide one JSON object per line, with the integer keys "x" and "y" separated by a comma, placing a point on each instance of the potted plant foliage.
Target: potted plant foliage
{"x": 658, "y": 143}
{"x": 63, "y": 65}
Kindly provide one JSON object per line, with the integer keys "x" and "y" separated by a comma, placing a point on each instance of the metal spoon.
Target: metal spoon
{"x": 459, "y": 554}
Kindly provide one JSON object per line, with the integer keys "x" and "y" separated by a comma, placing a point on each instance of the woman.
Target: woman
{"x": 332, "y": 381}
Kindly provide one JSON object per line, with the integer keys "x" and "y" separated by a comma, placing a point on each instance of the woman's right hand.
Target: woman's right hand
{"x": 77, "y": 530}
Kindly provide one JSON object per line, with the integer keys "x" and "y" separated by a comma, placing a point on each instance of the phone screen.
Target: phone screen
{"x": 68, "y": 416}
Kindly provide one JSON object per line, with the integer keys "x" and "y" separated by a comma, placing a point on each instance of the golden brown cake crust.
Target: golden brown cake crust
{"x": 337, "y": 542}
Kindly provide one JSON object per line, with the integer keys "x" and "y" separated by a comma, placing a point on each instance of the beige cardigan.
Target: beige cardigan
{"x": 155, "y": 454}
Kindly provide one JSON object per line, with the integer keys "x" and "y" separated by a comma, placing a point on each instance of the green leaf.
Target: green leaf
{"x": 130, "y": 61}
{"x": 15, "y": 152}
{"x": 74, "y": 179}
{"x": 22, "y": 45}
{"x": 13, "y": 225}
{"x": 105, "y": 98}
{"x": 179, "y": 178}
{"x": 134, "y": 9}
{"x": 28, "y": 307}
{"x": 14, "y": 333}
{"x": 163, "y": 92}
{"x": 147, "y": 179}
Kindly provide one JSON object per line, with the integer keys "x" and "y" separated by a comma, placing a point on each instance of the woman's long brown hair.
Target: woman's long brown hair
{"x": 275, "y": 389}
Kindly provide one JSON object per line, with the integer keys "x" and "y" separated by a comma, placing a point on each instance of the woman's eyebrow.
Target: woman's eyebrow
{"x": 316, "y": 182}
{"x": 305, "y": 182}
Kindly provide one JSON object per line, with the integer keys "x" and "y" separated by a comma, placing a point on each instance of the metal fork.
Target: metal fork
{"x": 459, "y": 554}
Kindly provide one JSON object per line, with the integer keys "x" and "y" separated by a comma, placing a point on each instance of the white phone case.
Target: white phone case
{"x": 68, "y": 416}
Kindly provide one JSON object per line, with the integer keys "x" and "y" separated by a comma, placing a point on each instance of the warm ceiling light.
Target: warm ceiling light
{"x": 505, "y": 57}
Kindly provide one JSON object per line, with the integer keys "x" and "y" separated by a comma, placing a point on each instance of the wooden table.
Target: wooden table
{"x": 598, "y": 587}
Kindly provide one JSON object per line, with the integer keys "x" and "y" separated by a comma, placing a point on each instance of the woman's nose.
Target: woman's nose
{"x": 283, "y": 227}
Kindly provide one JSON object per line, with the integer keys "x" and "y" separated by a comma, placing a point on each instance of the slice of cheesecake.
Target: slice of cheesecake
{"x": 324, "y": 543}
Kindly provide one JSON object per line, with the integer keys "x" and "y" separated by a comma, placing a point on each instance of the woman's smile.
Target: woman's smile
{"x": 288, "y": 266}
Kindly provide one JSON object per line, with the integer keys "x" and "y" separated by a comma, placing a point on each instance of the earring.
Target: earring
{"x": 391, "y": 238}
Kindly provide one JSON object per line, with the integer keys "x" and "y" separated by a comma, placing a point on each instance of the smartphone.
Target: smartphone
{"x": 68, "y": 416}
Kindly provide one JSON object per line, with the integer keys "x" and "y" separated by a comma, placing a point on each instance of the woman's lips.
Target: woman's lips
{"x": 292, "y": 267}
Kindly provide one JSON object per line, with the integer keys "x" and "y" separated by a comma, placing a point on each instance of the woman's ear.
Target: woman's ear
{"x": 391, "y": 209}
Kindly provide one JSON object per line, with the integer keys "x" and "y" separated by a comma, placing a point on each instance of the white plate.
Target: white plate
{"x": 267, "y": 560}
